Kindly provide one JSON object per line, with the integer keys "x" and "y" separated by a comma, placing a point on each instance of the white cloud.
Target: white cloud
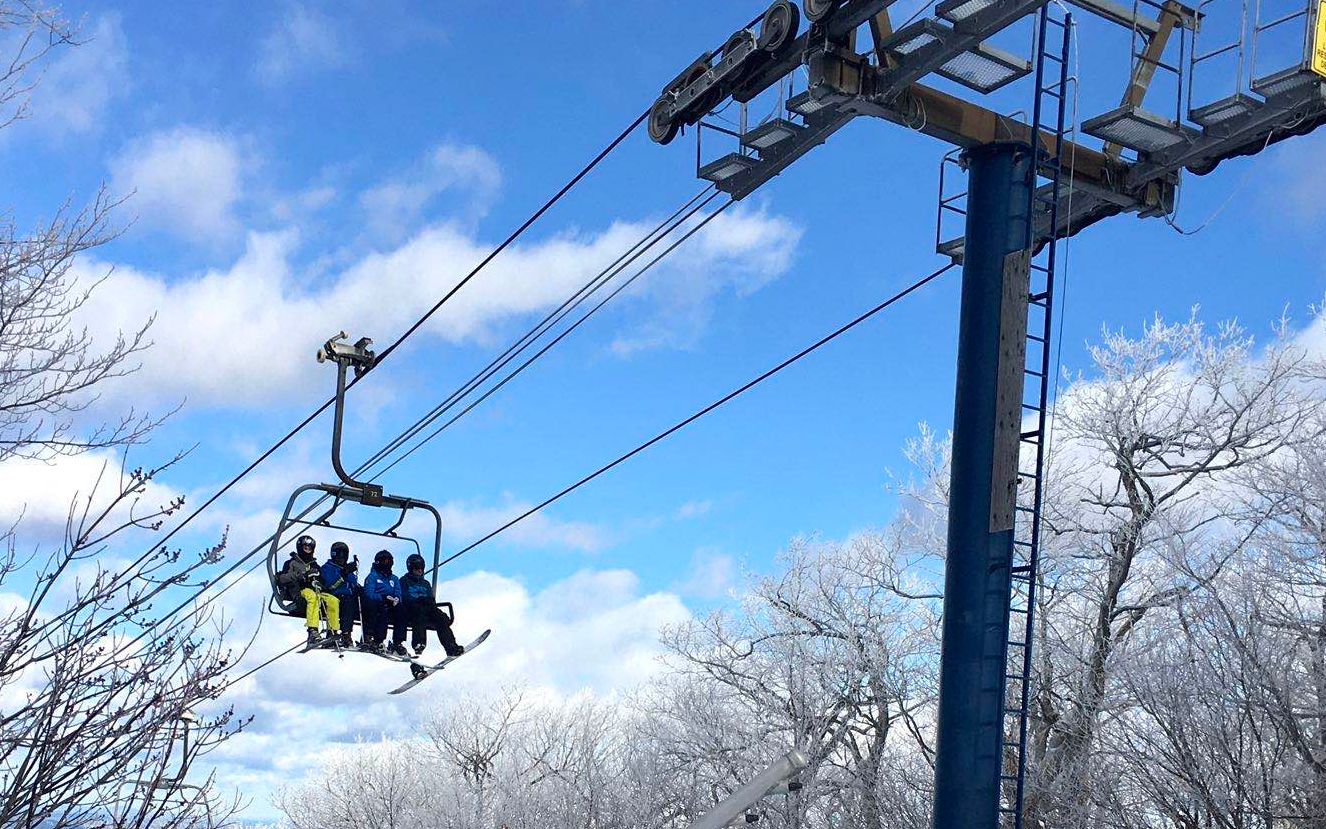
{"x": 1295, "y": 181}
{"x": 712, "y": 574}
{"x": 694, "y": 509}
{"x": 302, "y": 41}
{"x": 42, "y": 493}
{"x": 308, "y": 202}
{"x": 244, "y": 335}
{"x": 394, "y": 208}
{"x": 184, "y": 180}
{"x": 80, "y": 84}
{"x": 756, "y": 249}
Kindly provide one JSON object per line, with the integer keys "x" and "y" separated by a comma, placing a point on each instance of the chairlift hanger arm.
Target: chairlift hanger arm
{"x": 361, "y": 358}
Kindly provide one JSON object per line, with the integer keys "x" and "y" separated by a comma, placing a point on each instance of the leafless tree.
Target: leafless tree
{"x": 90, "y": 731}
{"x": 93, "y": 686}
{"x": 471, "y": 741}
{"x": 834, "y": 655}
{"x": 369, "y": 786}
{"x": 50, "y": 367}
{"x": 1235, "y": 705}
{"x": 34, "y": 31}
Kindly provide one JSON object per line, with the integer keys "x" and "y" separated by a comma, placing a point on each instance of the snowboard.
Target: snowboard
{"x": 422, "y": 672}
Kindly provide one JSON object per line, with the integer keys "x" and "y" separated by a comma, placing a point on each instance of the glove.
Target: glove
{"x": 352, "y": 567}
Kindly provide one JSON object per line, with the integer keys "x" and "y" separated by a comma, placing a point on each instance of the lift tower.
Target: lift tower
{"x": 1028, "y": 186}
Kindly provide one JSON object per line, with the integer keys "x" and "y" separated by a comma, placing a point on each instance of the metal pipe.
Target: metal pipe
{"x": 977, "y": 576}
{"x": 752, "y": 792}
{"x": 338, "y": 416}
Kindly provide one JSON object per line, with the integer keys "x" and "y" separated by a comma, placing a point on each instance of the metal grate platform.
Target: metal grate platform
{"x": 1137, "y": 129}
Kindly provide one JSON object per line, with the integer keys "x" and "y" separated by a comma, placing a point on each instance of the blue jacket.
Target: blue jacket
{"x": 331, "y": 574}
{"x": 378, "y": 587}
{"x": 416, "y": 589}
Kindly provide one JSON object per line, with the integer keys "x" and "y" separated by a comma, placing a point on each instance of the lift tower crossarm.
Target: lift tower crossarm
{"x": 852, "y": 14}
{"x": 1102, "y": 186}
{"x": 838, "y": 79}
{"x": 1247, "y": 133}
{"x": 967, "y": 125}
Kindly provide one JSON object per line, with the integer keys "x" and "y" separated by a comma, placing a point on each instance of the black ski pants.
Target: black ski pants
{"x": 377, "y": 615}
{"x": 426, "y": 616}
{"x": 350, "y": 613}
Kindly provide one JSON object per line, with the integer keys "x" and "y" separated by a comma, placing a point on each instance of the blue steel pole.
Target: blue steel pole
{"x": 977, "y": 573}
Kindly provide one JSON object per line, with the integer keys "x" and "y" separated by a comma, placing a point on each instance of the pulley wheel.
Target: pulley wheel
{"x": 733, "y": 43}
{"x": 705, "y": 102}
{"x": 779, "y": 27}
{"x": 662, "y": 126}
{"x": 818, "y": 10}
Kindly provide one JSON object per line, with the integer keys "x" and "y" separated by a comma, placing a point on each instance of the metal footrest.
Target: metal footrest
{"x": 805, "y": 104}
{"x": 1286, "y": 82}
{"x": 726, "y": 167}
{"x": 956, "y": 11}
{"x": 1213, "y": 115}
{"x": 953, "y": 249}
{"x": 1137, "y": 129}
{"x": 983, "y": 68}
{"x": 769, "y": 135}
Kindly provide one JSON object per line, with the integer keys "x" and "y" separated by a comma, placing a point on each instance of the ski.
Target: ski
{"x": 325, "y": 643}
{"x": 421, "y": 672}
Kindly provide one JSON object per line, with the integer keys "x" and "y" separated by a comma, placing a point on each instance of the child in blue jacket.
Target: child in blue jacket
{"x": 339, "y": 577}
{"x": 382, "y": 604}
{"x": 421, "y": 610}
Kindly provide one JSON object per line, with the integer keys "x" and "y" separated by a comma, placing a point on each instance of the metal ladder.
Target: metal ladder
{"x": 1053, "y": 40}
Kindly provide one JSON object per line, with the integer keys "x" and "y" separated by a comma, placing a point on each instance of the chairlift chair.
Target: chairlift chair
{"x": 360, "y": 358}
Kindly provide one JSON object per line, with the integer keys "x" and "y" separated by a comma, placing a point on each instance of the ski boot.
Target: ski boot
{"x": 314, "y": 636}
{"x": 396, "y": 649}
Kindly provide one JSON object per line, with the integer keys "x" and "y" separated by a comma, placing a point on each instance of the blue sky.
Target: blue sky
{"x": 287, "y": 158}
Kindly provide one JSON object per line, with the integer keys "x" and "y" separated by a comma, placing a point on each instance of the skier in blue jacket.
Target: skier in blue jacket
{"x": 382, "y": 604}
{"x": 340, "y": 577}
{"x": 421, "y": 610}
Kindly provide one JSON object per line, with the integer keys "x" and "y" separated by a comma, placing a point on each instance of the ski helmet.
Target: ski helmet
{"x": 305, "y": 546}
{"x": 383, "y": 561}
{"x": 340, "y": 552}
{"x": 414, "y": 562}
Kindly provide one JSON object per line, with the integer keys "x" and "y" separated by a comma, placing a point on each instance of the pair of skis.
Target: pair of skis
{"x": 419, "y": 671}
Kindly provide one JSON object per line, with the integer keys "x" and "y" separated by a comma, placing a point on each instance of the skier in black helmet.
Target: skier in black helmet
{"x": 339, "y": 574}
{"x": 382, "y": 604}
{"x": 300, "y": 577}
{"x": 421, "y": 610}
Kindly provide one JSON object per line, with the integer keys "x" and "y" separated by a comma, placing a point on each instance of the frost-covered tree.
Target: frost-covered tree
{"x": 1150, "y": 455}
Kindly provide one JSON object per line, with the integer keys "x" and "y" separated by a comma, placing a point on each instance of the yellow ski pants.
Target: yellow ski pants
{"x": 329, "y": 602}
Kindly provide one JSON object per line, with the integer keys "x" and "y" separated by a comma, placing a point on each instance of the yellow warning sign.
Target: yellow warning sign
{"x": 1319, "y": 42}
